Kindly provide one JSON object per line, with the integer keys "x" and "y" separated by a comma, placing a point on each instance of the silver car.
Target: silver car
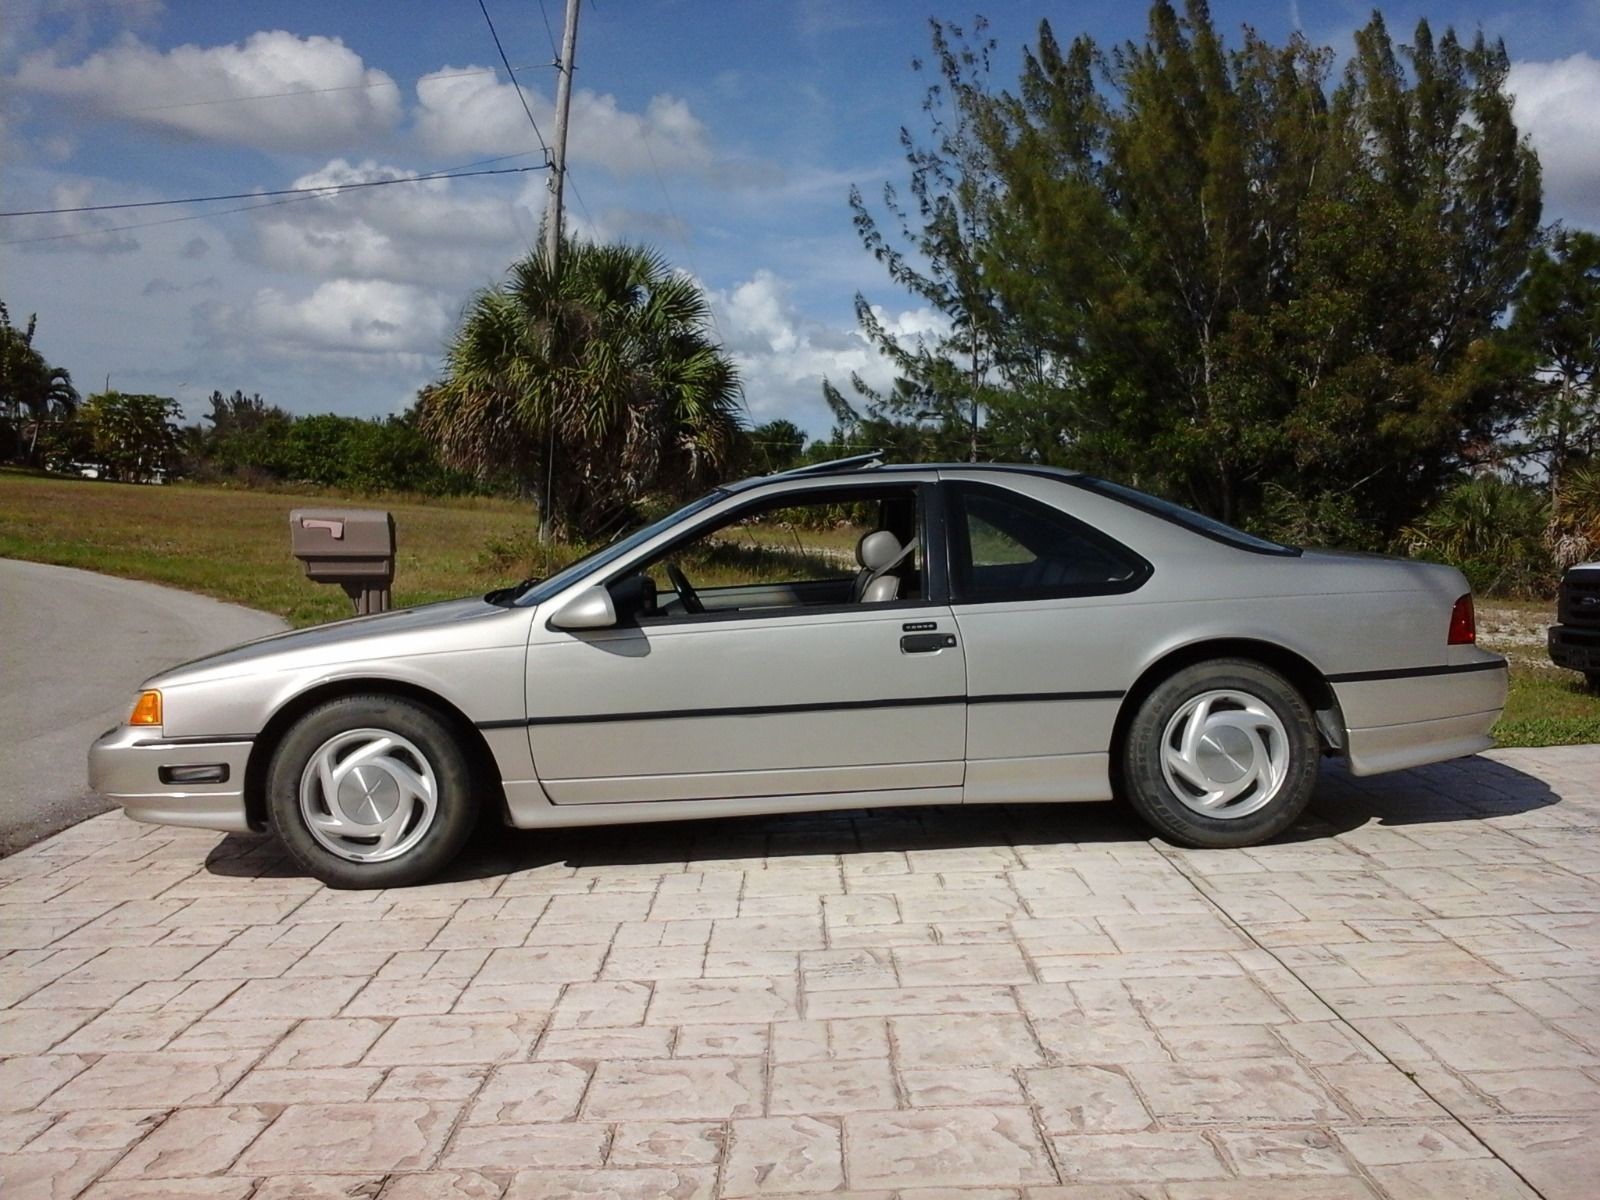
{"x": 838, "y": 636}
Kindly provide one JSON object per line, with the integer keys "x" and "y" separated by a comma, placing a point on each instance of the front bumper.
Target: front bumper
{"x": 1575, "y": 649}
{"x": 154, "y": 778}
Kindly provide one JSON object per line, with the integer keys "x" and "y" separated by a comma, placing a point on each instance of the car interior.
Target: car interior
{"x": 831, "y": 548}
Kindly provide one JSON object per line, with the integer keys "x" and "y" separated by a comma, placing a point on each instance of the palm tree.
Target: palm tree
{"x": 594, "y": 387}
{"x": 30, "y": 388}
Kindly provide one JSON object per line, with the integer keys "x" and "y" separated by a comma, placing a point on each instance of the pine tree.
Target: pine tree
{"x": 1210, "y": 271}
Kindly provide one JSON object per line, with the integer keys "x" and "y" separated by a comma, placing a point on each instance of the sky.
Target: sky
{"x": 724, "y": 133}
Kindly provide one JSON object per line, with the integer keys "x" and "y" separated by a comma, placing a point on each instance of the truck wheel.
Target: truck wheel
{"x": 1223, "y": 753}
{"x": 371, "y": 791}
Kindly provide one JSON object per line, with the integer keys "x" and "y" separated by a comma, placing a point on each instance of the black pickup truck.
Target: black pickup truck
{"x": 1575, "y": 641}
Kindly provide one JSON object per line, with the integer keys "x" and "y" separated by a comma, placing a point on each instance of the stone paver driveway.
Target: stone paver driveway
{"x": 1404, "y": 1001}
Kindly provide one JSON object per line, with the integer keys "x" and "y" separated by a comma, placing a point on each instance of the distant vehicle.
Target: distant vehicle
{"x": 155, "y": 475}
{"x": 1013, "y": 634}
{"x": 1575, "y": 640}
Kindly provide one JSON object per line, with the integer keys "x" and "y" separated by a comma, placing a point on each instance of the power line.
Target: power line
{"x": 550, "y": 33}
{"x": 351, "y": 87}
{"x": 484, "y": 8}
{"x": 460, "y": 172}
{"x": 578, "y": 196}
{"x": 678, "y": 228}
{"x": 78, "y": 233}
{"x": 299, "y": 191}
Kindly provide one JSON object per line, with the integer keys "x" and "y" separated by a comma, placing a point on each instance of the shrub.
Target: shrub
{"x": 1575, "y": 530}
{"x": 1494, "y": 532}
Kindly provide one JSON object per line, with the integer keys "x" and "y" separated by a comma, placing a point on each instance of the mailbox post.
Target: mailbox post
{"x": 353, "y": 547}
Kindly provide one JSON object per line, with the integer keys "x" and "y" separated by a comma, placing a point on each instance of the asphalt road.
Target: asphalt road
{"x": 74, "y": 647}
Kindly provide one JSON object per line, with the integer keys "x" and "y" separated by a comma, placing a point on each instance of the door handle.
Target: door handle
{"x": 926, "y": 643}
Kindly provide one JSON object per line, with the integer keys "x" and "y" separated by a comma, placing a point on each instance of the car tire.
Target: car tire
{"x": 401, "y": 803}
{"x": 1221, "y": 754}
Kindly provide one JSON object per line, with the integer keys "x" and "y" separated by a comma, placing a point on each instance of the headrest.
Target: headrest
{"x": 877, "y": 550}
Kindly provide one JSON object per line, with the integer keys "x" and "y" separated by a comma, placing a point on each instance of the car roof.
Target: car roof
{"x": 849, "y": 469}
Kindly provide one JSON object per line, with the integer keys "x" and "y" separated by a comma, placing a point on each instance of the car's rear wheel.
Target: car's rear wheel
{"x": 371, "y": 792}
{"x": 1222, "y": 753}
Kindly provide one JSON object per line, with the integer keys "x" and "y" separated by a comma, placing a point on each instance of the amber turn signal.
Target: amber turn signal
{"x": 146, "y": 709}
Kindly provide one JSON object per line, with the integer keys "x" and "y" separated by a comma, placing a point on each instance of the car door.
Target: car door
{"x": 779, "y": 687}
{"x": 1039, "y": 599}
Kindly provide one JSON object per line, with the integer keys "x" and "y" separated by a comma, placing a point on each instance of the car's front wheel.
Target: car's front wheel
{"x": 1220, "y": 754}
{"x": 371, "y": 792}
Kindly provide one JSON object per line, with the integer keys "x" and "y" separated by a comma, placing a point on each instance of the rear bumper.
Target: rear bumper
{"x": 1409, "y": 719}
{"x": 154, "y": 779}
{"x": 1575, "y": 649}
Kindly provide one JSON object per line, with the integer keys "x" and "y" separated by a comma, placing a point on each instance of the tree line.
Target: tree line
{"x": 241, "y": 440}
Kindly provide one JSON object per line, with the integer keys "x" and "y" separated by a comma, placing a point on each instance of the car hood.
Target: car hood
{"x": 388, "y": 634}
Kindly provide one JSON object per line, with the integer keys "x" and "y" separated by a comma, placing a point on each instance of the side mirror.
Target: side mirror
{"x": 591, "y": 608}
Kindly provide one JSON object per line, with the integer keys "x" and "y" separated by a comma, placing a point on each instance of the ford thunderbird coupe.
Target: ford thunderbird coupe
{"x": 844, "y": 635}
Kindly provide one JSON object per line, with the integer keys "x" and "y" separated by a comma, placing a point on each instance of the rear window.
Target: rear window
{"x": 1199, "y": 523}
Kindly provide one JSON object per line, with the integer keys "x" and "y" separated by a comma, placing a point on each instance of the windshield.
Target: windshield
{"x": 543, "y": 590}
{"x": 1198, "y": 522}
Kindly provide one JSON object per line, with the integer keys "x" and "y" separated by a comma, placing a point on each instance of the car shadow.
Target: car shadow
{"x": 1464, "y": 789}
{"x": 1470, "y": 789}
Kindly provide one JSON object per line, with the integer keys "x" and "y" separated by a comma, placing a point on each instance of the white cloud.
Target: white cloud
{"x": 359, "y": 322}
{"x": 823, "y": 18}
{"x": 1558, "y": 106}
{"x": 71, "y": 232}
{"x": 464, "y": 114}
{"x": 135, "y": 82}
{"x": 434, "y": 231}
{"x": 784, "y": 355}
{"x": 72, "y": 23}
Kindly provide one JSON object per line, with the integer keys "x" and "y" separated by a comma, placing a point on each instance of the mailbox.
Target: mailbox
{"x": 353, "y": 547}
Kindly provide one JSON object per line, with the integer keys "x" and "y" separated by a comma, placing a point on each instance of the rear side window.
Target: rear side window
{"x": 1006, "y": 546}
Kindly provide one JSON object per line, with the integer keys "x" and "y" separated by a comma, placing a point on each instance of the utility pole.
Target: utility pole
{"x": 552, "y": 222}
{"x": 558, "y": 164}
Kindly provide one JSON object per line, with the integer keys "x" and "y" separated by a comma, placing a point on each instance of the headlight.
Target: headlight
{"x": 146, "y": 709}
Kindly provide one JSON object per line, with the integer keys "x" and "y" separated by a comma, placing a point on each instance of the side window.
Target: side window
{"x": 1007, "y": 546}
{"x": 796, "y": 553}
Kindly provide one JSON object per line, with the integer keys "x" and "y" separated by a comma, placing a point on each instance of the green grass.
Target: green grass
{"x": 234, "y": 544}
{"x": 1548, "y": 707}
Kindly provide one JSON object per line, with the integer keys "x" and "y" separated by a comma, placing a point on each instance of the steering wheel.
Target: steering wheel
{"x": 685, "y": 589}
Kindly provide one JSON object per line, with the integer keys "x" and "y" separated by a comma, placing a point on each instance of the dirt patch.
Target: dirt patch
{"x": 1517, "y": 631}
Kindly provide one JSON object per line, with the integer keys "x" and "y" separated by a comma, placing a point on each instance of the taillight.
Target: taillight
{"x": 1463, "y": 623}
